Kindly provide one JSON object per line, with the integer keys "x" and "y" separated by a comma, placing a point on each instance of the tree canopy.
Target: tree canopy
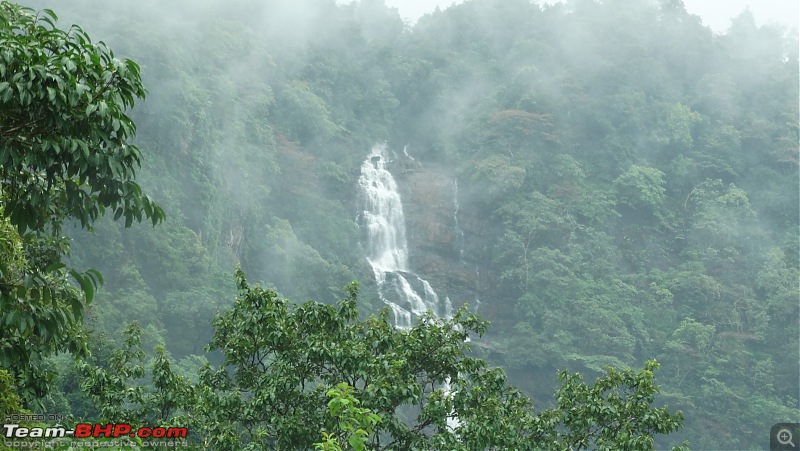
{"x": 65, "y": 154}
{"x": 413, "y": 389}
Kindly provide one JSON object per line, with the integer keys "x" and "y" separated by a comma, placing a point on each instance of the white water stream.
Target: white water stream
{"x": 407, "y": 294}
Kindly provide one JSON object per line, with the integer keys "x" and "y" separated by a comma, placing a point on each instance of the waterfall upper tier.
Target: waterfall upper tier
{"x": 383, "y": 214}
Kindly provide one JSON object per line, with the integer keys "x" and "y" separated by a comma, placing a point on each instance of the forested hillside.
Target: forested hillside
{"x": 606, "y": 182}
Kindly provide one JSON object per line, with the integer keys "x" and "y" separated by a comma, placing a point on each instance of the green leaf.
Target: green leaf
{"x": 55, "y": 266}
{"x": 86, "y": 285}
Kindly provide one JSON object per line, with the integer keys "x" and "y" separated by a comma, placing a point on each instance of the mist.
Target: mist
{"x": 627, "y": 182}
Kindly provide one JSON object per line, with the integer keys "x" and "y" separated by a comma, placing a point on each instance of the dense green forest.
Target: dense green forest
{"x": 605, "y": 182}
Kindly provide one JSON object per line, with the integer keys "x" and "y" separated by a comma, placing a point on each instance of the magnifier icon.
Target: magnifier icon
{"x": 784, "y": 437}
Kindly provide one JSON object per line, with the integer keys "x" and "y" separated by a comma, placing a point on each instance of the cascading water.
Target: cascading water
{"x": 407, "y": 294}
{"x": 402, "y": 290}
{"x": 459, "y": 234}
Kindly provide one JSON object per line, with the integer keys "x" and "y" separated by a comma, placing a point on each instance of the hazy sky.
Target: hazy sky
{"x": 715, "y": 13}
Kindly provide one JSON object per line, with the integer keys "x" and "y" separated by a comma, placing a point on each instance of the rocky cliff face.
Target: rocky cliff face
{"x": 446, "y": 237}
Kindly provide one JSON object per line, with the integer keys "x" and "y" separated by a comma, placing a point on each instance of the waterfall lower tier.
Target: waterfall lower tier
{"x": 408, "y": 296}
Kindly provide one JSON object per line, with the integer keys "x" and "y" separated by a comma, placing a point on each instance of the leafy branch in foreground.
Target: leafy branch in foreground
{"x": 395, "y": 389}
{"x": 355, "y": 423}
{"x": 65, "y": 154}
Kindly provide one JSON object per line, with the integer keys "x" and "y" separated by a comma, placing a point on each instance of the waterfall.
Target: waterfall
{"x": 407, "y": 294}
{"x": 477, "y": 283}
{"x": 459, "y": 234}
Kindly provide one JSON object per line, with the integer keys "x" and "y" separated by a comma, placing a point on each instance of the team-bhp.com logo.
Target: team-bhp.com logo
{"x": 97, "y": 430}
